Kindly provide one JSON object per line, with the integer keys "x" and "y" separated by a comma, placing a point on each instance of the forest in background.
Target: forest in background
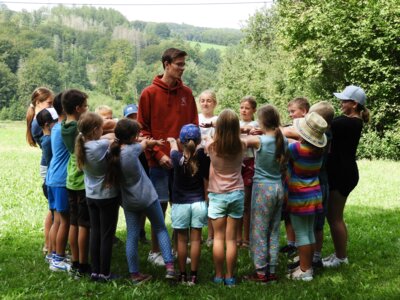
{"x": 306, "y": 48}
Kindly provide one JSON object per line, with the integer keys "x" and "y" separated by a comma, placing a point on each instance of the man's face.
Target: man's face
{"x": 296, "y": 112}
{"x": 176, "y": 68}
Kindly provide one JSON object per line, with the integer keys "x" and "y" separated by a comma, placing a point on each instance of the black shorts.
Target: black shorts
{"x": 78, "y": 209}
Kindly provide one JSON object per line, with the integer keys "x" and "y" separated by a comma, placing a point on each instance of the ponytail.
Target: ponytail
{"x": 280, "y": 151}
{"x": 80, "y": 151}
{"x": 30, "y": 115}
{"x": 365, "y": 115}
{"x": 113, "y": 165}
{"x": 191, "y": 162}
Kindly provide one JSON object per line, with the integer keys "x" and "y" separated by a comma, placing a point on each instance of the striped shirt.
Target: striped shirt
{"x": 305, "y": 196}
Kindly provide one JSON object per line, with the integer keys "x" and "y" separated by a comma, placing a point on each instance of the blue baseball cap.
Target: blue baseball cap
{"x": 130, "y": 109}
{"x": 190, "y": 132}
{"x": 352, "y": 92}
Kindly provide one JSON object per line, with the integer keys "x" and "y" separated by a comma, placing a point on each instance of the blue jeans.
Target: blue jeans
{"x": 156, "y": 217}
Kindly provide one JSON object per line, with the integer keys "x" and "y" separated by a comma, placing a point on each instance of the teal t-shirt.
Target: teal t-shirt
{"x": 75, "y": 177}
{"x": 266, "y": 166}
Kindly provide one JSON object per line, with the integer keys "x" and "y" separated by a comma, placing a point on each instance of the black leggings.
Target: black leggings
{"x": 103, "y": 223}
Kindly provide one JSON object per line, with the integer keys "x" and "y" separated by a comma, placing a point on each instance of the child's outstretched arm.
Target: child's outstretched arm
{"x": 150, "y": 143}
{"x": 173, "y": 143}
{"x": 290, "y": 132}
{"x": 251, "y": 141}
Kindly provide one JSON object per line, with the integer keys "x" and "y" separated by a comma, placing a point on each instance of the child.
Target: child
{"x": 138, "y": 195}
{"x": 103, "y": 202}
{"x": 342, "y": 166}
{"x": 325, "y": 110}
{"x": 130, "y": 112}
{"x": 297, "y": 108}
{"x": 267, "y": 196}
{"x": 207, "y": 120}
{"x": 41, "y": 98}
{"x": 248, "y": 107}
{"x": 75, "y": 104}
{"x": 105, "y": 112}
{"x": 226, "y": 151}
{"x": 57, "y": 194}
{"x": 305, "y": 198}
{"x": 189, "y": 210}
{"x": 46, "y": 119}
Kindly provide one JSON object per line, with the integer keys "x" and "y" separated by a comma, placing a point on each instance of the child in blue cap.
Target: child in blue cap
{"x": 189, "y": 209}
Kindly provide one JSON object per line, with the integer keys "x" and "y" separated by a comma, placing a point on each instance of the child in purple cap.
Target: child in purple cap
{"x": 189, "y": 210}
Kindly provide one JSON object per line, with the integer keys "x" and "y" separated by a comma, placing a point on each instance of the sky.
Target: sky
{"x": 215, "y": 14}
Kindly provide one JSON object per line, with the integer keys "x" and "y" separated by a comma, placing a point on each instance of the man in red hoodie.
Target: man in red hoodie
{"x": 164, "y": 107}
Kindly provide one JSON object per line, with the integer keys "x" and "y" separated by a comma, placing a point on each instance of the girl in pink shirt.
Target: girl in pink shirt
{"x": 226, "y": 196}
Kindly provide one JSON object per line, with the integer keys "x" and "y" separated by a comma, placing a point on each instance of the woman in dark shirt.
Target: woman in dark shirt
{"x": 342, "y": 167}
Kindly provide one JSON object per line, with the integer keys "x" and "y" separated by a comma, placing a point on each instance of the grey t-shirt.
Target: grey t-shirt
{"x": 95, "y": 169}
{"x": 137, "y": 191}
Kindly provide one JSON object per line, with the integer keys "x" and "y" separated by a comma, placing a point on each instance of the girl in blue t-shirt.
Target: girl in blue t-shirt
{"x": 267, "y": 194}
{"x": 189, "y": 210}
{"x": 138, "y": 195}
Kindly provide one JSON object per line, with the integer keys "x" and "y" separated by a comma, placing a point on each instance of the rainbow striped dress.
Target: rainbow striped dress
{"x": 305, "y": 196}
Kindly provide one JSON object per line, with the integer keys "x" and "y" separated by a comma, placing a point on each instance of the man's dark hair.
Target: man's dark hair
{"x": 171, "y": 54}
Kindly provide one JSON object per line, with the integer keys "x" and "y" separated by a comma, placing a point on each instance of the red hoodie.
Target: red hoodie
{"x": 163, "y": 110}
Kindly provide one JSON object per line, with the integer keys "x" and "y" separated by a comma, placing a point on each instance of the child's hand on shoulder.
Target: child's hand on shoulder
{"x": 171, "y": 140}
{"x": 151, "y": 143}
{"x": 255, "y": 131}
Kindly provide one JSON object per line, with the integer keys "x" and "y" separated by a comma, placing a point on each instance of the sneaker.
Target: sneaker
{"x": 170, "y": 273}
{"x": 271, "y": 278}
{"x": 255, "y": 277}
{"x": 59, "y": 266}
{"x": 293, "y": 266}
{"x": 73, "y": 271}
{"x": 298, "y": 274}
{"x": 192, "y": 281}
{"x": 317, "y": 264}
{"x": 230, "y": 281}
{"x": 48, "y": 258}
{"x": 333, "y": 261}
{"x": 140, "y": 278}
{"x": 94, "y": 277}
{"x": 218, "y": 280}
{"x": 156, "y": 259}
{"x": 292, "y": 251}
{"x": 108, "y": 278}
{"x": 182, "y": 278}
{"x": 209, "y": 242}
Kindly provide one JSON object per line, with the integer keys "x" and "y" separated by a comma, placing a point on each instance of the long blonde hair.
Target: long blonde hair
{"x": 227, "y": 140}
{"x": 39, "y": 95}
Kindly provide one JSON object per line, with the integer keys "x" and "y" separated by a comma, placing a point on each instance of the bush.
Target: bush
{"x": 372, "y": 146}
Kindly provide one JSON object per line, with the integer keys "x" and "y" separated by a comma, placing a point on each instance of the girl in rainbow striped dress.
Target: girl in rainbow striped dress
{"x": 305, "y": 197}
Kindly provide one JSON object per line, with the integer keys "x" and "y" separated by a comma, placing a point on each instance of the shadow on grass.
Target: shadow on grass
{"x": 374, "y": 248}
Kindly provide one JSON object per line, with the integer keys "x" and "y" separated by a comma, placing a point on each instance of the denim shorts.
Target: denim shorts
{"x": 192, "y": 215}
{"x": 227, "y": 204}
{"x": 58, "y": 199}
{"x": 160, "y": 179}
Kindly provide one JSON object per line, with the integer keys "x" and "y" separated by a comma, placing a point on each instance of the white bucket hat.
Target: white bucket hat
{"x": 312, "y": 128}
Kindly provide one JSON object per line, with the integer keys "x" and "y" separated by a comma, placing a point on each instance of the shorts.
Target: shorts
{"x": 248, "y": 171}
{"x": 78, "y": 209}
{"x": 227, "y": 204}
{"x": 58, "y": 199}
{"x": 160, "y": 178}
{"x": 190, "y": 215}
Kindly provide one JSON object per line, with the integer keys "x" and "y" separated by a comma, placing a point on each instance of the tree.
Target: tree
{"x": 8, "y": 85}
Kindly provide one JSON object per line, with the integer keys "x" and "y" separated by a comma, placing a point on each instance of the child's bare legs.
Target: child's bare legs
{"x": 246, "y": 214}
{"x": 54, "y": 230}
{"x": 48, "y": 221}
{"x": 219, "y": 226}
{"x": 73, "y": 242}
{"x": 290, "y": 235}
{"x": 83, "y": 244}
{"x": 319, "y": 240}
{"x": 210, "y": 234}
{"x": 306, "y": 253}
{"x": 154, "y": 242}
{"x": 195, "y": 248}
{"x": 182, "y": 236}
{"x": 231, "y": 247}
{"x": 336, "y": 222}
{"x": 62, "y": 234}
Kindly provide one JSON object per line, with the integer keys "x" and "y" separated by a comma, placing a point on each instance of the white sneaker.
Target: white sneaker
{"x": 333, "y": 261}
{"x": 59, "y": 266}
{"x": 298, "y": 274}
{"x": 156, "y": 259}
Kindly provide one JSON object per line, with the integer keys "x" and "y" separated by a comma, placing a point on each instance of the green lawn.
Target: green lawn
{"x": 372, "y": 215}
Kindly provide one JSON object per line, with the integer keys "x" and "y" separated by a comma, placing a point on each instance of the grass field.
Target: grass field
{"x": 372, "y": 215}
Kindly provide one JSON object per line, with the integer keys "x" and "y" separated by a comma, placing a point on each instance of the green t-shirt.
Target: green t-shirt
{"x": 75, "y": 180}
